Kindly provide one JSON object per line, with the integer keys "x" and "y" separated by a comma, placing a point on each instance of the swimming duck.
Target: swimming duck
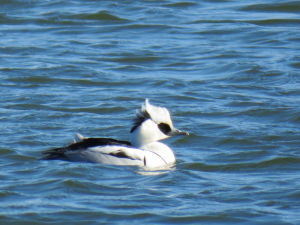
{"x": 151, "y": 124}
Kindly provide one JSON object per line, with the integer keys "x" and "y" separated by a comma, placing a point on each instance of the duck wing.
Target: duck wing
{"x": 109, "y": 154}
{"x": 83, "y": 144}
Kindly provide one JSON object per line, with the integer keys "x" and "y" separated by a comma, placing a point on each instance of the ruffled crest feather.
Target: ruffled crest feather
{"x": 157, "y": 114}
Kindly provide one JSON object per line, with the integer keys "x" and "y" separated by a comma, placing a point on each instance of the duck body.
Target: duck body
{"x": 151, "y": 124}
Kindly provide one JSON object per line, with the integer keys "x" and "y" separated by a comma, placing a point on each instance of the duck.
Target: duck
{"x": 151, "y": 124}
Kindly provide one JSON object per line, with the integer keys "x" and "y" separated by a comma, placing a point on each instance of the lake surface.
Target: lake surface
{"x": 228, "y": 71}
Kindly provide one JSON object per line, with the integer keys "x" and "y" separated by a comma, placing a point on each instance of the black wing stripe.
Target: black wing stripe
{"x": 119, "y": 154}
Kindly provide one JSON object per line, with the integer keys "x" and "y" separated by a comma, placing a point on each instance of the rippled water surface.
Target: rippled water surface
{"x": 228, "y": 71}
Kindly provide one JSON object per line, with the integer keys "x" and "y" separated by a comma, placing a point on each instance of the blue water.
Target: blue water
{"x": 228, "y": 71}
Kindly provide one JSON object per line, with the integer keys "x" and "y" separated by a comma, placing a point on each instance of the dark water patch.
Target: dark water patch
{"x": 220, "y": 32}
{"x": 294, "y": 194}
{"x": 73, "y": 184}
{"x": 270, "y": 138}
{"x": 245, "y": 103}
{"x": 227, "y": 55}
{"x": 29, "y": 22}
{"x": 94, "y": 216}
{"x": 179, "y": 66}
{"x": 129, "y": 68}
{"x": 33, "y": 79}
{"x": 31, "y": 141}
{"x": 236, "y": 141}
{"x": 31, "y": 184}
{"x": 104, "y": 45}
{"x": 91, "y": 189}
{"x": 296, "y": 118}
{"x": 262, "y": 113}
{"x": 137, "y": 60}
{"x": 21, "y": 50}
{"x": 204, "y": 21}
{"x": 60, "y": 18}
{"x": 20, "y": 158}
{"x": 286, "y": 7}
{"x": 295, "y": 65}
{"x": 6, "y": 151}
{"x": 276, "y": 164}
{"x": 26, "y": 106}
{"x": 6, "y": 19}
{"x": 64, "y": 174}
{"x": 218, "y": 1}
{"x": 270, "y": 43}
{"x": 276, "y": 22}
{"x": 8, "y": 194}
{"x": 246, "y": 156}
{"x": 57, "y": 21}
{"x": 76, "y": 42}
{"x": 42, "y": 107}
{"x": 146, "y": 27}
{"x": 271, "y": 203}
{"x": 5, "y": 2}
{"x": 225, "y": 71}
{"x": 180, "y": 4}
{"x": 248, "y": 188}
{"x": 168, "y": 83}
{"x": 102, "y": 15}
{"x": 183, "y": 98}
{"x": 44, "y": 80}
{"x": 5, "y": 69}
{"x": 212, "y": 219}
{"x": 260, "y": 36}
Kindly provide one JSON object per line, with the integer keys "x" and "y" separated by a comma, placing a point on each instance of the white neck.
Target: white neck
{"x": 147, "y": 132}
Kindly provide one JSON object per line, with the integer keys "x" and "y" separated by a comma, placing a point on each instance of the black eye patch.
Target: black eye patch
{"x": 165, "y": 128}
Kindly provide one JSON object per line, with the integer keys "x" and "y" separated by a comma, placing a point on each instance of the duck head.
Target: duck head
{"x": 152, "y": 124}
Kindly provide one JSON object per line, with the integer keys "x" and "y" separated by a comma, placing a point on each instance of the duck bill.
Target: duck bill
{"x": 175, "y": 132}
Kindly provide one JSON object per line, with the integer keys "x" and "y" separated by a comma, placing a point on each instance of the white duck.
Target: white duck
{"x": 151, "y": 125}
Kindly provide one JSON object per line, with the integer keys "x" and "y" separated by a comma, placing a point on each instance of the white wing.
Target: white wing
{"x": 117, "y": 155}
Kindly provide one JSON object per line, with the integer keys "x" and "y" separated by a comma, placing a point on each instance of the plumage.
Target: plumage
{"x": 150, "y": 125}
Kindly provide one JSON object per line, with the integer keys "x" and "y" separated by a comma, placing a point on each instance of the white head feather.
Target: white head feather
{"x": 157, "y": 114}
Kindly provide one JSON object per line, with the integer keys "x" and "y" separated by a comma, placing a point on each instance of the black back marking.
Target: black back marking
{"x": 93, "y": 142}
{"x": 119, "y": 154}
{"x": 141, "y": 116}
{"x": 59, "y": 153}
{"x": 165, "y": 128}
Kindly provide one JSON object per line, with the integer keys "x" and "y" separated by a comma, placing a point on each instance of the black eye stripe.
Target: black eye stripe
{"x": 165, "y": 128}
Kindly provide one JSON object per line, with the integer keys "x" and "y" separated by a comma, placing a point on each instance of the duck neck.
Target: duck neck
{"x": 147, "y": 132}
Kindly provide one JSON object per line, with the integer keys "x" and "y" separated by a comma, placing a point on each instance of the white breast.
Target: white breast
{"x": 162, "y": 150}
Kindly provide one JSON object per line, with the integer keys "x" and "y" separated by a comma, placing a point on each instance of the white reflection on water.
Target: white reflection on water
{"x": 147, "y": 171}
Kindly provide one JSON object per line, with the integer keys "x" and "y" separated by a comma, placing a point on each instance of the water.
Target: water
{"x": 228, "y": 71}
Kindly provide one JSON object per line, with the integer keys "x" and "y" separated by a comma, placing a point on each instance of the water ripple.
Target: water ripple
{"x": 231, "y": 81}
